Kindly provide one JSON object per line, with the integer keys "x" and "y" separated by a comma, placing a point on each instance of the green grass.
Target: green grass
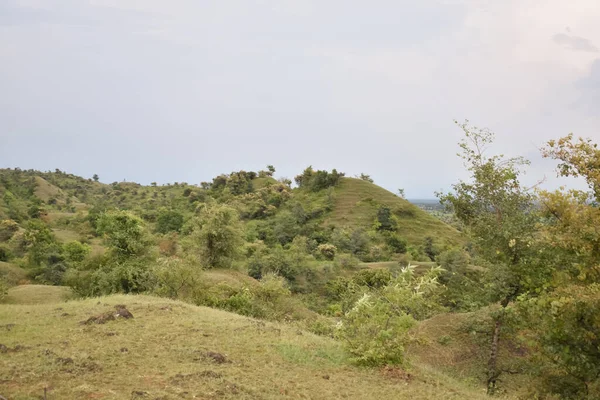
{"x": 36, "y": 294}
{"x": 163, "y": 353}
{"x": 356, "y": 204}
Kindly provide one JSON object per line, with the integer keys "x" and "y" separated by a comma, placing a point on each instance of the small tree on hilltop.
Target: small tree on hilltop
{"x": 96, "y": 178}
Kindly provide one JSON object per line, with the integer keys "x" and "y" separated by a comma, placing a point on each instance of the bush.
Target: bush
{"x": 375, "y": 329}
{"x": 318, "y": 180}
{"x": 5, "y": 252}
{"x": 8, "y": 228}
{"x": 327, "y": 251}
{"x": 218, "y": 236}
{"x": 373, "y": 335}
{"x": 169, "y": 221}
{"x": 396, "y": 243}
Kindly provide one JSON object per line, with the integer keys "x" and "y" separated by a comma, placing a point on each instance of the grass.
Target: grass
{"x": 46, "y": 191}
{"x": 173, "y": 350}
{"x": 64, "y": 235}
{"x": 36, "y": 294}
{"x": 357, "y": 202}
{"x": 444, "y": 344}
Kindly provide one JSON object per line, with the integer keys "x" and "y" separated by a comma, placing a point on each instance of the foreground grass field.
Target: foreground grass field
{"x": 173, "y": 350}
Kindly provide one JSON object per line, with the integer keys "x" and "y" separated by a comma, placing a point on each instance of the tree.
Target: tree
{"x": 96, "y": 178}
{"x": 365, "y": 177}
{"x": 565, "y": 319}
{"x": 385, "y": 220}
{"x": 218, "y": 235}
{"x": 271, "y": 170}
{"x": 124, "y": 233}
{"x": 169, "y": 221}
{"x": 401, "y": 193}
{"x": 501, "y": 217}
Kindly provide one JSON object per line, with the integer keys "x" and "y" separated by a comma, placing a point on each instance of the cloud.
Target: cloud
{"x": 574, "y": 42}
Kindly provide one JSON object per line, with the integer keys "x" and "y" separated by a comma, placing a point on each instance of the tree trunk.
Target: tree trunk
{"x": 493, "y": 361}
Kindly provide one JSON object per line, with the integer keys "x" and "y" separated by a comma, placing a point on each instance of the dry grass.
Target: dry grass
{"x": 64, "y": 235}
{"x": 173, "y": 350}
{"x": 46, "y": 191}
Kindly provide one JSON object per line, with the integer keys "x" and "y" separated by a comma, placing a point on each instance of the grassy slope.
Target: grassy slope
{"x": 36, "y": 294}
{"x": 161, "y": 354}
{"x": 356, "y": 204}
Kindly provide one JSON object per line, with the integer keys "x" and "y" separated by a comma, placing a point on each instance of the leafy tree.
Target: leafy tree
{"x": 124, "y": 233}
{"x": 96, "y": 178}
{"x": 318, "y": 180}
{"x": 169, "y": 220}
{"x": 566, "y": 320}
{"x": 501, "y": 217}
{"x": 385, "y": 220}
{"x": 76, "y": 252}
{"x": 219, "y": 236}
{"x": 365, "y": 177}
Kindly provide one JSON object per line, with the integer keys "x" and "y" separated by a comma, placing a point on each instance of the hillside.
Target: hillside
{"x": 173, "y": 350}
{"x": 356, "y": 203}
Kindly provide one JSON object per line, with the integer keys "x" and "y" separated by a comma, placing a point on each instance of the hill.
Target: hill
{"x": 172, "y": 350}
{"x": 356, "y": 203}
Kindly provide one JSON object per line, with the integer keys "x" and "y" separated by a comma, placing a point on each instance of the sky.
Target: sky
{"x": 184, "y": 90}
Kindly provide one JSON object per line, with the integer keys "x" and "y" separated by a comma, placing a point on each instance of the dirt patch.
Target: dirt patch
{"x": 396, "y": 373}
{"x": 5, "y": 349}
{"x": 181, "y": 379}
{"x": 121, "y": 312}
{"x": 216, "y": 357}
{"x": 64, "y": 361}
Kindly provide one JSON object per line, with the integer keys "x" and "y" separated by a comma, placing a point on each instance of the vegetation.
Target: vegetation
{"x": 505, "y": 299}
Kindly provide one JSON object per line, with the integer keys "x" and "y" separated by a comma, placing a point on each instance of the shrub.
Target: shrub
{"x": 169, "y": 221}
{"x": 8, "y": 228}
{"x": 318, "y": 180}
{"x": 385, "y": 221}
{"x": 396, "y": 243}
{"x": 373, "y": 335}
{"x": 218, "y": 236}
{"x": 375, "y": 329}
{"x": 327, "y": 251}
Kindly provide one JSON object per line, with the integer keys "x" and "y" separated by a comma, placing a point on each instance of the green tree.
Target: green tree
{"x": 96, "y": 178}
{"x": 385, "y": 220}
{"x": 169, "y": 220}
{"x": 219, "y": 236}
{"x": 124, "y": 233}
{"x": 501, "y": 217}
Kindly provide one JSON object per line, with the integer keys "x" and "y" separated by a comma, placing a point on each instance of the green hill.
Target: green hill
{"x": 173, "y": 350}
{"x": 356, "y": 203}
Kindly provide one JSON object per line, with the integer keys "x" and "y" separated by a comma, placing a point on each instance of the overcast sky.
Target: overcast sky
{"x": 156, "y": 90}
